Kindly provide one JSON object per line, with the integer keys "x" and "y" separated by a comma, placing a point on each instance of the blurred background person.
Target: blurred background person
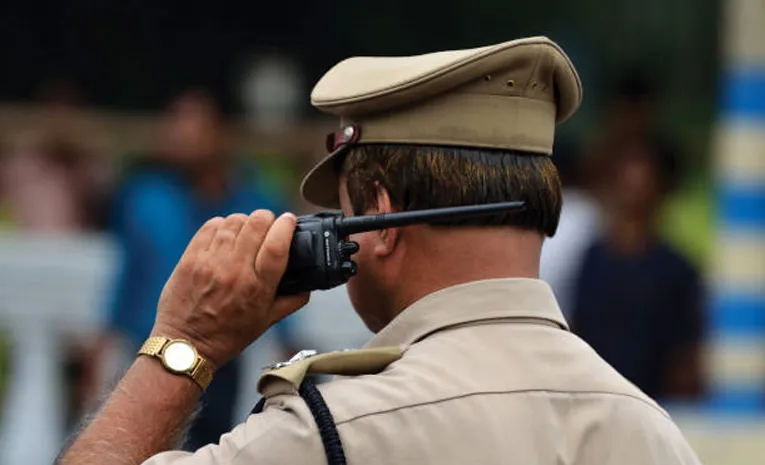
{"x": 55, "y": 175}
{"x": 563, "y": 253}
{"x": 164, "y": 198}
{"x": 638, "y": 302}
{"x": 48, "y": 185}
{"x": 52, "y": 184}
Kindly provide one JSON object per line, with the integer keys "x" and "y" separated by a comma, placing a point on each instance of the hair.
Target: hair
{"x": 198, "y": 96}
{"x": 422, "y": 177}
{"x": 635, "y": 85}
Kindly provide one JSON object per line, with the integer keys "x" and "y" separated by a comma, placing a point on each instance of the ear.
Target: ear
{"x": 385, "y": 239}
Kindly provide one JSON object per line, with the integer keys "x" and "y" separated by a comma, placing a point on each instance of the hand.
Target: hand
{"x": 221, "y": 295}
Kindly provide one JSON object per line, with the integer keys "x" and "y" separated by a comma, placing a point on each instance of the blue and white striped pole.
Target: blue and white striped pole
{"x": 737, "y": 346}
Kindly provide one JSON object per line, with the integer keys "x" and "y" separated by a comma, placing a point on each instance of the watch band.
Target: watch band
{"x": 201, "y": 371}
{"x": 153, "y": 346}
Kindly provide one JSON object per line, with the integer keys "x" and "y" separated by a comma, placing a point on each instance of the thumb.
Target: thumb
{"x": 287, "y": 305}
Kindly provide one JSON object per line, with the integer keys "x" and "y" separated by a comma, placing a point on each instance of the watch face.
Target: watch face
{"x": 179, "y": 356}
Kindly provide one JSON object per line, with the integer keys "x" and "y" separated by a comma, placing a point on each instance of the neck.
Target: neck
{"x": 210, "y": 181}
{"x": 442, "y": 258}
{"x": 631, "y": 235}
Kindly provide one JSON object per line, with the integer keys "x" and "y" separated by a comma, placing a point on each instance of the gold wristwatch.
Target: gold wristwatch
{"x": 179, "y": 357}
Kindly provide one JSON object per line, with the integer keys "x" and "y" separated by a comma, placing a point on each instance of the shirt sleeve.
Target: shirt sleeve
{"x": 151, "y": 240}
{"x": 653, "y": 439}
{"x": 285, "y": 433}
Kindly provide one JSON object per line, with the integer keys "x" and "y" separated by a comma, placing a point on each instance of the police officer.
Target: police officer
{"x": 472, "y": 361}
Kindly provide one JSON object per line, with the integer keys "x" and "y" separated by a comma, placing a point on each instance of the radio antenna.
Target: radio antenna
{"x": 357, "y": 224}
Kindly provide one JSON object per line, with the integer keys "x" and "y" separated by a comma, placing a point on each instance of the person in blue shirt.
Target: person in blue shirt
{"x": 165, "y": 198}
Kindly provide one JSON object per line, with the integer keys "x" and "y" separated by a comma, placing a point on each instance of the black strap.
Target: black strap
{"x": 333, "y": 447}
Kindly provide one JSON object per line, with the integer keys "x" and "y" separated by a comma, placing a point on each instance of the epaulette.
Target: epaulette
{"x": 290, "y": 378}
{"x": 287, "y": 377}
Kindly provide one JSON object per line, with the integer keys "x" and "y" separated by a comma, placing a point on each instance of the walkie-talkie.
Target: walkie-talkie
{"x": 320, "y": 254}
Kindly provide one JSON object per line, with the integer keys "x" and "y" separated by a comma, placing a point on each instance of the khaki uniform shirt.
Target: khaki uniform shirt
{"x": 490, "y": 375}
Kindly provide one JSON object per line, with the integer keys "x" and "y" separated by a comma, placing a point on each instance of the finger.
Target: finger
{"x": 271, "y": 260}
{"x": 235, "y": 222}
{"x": 253, "y": 233}
{"x": 204, "y": 236}
{"x": 287, "y": 305}
{"x": 226, "y": 235}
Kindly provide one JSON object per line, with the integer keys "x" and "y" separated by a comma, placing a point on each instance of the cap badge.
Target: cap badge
{"x": 346, "y": 136}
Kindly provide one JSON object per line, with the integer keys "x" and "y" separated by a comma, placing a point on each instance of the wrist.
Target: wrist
{"x": 179, "y": 357}
{"x": 202, "y": 348}
{"x": 163, "y": 380}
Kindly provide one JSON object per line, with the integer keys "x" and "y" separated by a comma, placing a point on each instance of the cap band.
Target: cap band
{"x": 473, "y": 120}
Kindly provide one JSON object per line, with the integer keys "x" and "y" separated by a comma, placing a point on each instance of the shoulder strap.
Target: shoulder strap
{"x": 286, "y": 377}
{"x": 290, "y": 375}
{"x": 330, "y": 438}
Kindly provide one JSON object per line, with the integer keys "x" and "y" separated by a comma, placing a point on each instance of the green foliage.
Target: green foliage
{"x": 687, "y": 221}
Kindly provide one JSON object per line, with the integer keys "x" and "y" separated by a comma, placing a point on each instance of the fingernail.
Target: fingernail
{"x": 288, "y": 214}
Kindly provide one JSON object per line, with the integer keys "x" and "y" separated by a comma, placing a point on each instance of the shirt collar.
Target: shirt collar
{"x": 471, "y": 302}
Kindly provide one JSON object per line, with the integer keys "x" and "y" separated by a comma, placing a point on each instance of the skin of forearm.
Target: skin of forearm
{"x": 220, "y": 298}
{"x": 146, "y": 414}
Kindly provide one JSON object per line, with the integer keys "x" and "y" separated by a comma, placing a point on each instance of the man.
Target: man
{"x": 489, "y": 372}
{"x": 638, "y": 301}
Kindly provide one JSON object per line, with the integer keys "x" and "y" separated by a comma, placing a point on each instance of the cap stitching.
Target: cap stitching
{"x": 440, "y": 72}
{"x": 533, "y": 72}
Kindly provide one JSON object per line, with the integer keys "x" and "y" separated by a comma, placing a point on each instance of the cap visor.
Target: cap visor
{"x": 321, "y": 185}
